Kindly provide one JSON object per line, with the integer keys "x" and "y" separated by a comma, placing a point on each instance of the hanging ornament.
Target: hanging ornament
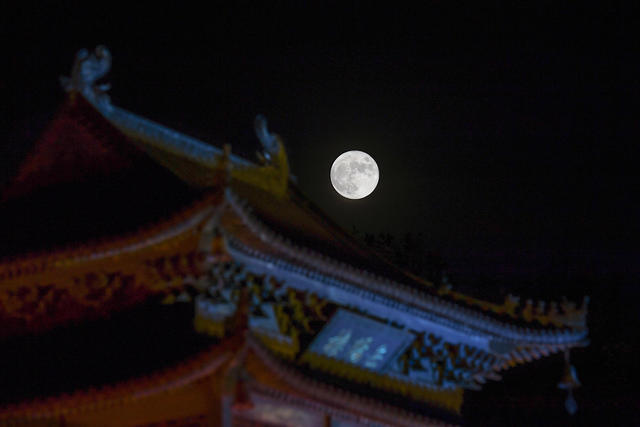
{"x": 569, "y": 382}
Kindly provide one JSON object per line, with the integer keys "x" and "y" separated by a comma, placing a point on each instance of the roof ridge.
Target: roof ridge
{"x": 163, "y": 137}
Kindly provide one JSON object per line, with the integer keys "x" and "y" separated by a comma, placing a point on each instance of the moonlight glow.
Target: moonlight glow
{"x": 354, "y": 174}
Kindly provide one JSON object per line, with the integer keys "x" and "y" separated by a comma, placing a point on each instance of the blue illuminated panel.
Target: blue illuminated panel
{"x": 361, "y": 341}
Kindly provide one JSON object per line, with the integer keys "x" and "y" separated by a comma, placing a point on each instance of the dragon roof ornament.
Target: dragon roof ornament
{"x": 87, "y": 69}
{"x": 270, "y": 141}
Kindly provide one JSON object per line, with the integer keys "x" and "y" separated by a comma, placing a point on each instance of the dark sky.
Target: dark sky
{"x": 500, "y": 132}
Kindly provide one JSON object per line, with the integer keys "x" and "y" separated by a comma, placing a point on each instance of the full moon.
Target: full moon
{"x": 354, "y": 174}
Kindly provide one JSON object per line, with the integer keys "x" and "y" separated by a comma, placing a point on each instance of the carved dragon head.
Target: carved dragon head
{"x": 270, "y": 142}
{"x": 87, "y": 70}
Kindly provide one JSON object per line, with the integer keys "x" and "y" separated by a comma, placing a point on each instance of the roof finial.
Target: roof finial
{"x": 87, "y": 70}
{"x": 269, "y": 140}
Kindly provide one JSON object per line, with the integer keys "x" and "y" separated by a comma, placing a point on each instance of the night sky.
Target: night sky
{"x": 501, "y": 132}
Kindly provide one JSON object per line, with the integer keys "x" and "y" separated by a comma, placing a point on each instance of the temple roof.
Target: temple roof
{"x": 99, "y": 171}
{"x": 111, "y": 211}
